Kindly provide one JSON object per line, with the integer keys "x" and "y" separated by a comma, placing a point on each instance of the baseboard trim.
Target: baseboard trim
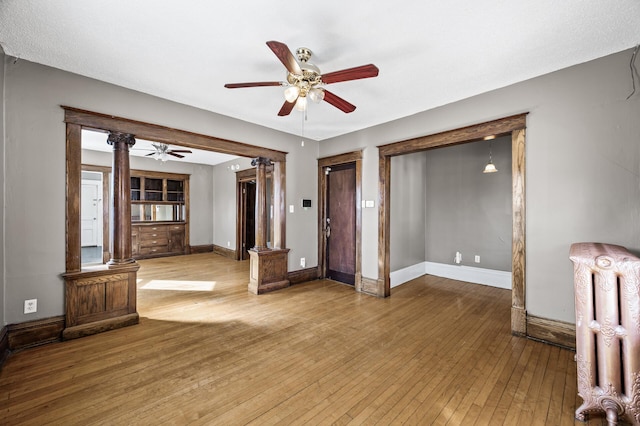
{"x": 302, "y": 275}
{"x": 552, "y": 331}
{"x": 407, "y": 274}
{"x": 372, "y": 286}
{"x": 223, "y": 251}
{"x": 205, "y": 248}
{"x": 4, "y": 346}
{"x": 470, "y": 274}
{"x": 100, "y": 326}
{"x": 35, "y": 333}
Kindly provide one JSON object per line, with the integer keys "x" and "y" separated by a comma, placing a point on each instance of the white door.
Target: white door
{"x": 90, "y": 213}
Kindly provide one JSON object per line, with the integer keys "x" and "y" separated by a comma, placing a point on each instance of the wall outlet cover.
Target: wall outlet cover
{"x": 30, "y": 306}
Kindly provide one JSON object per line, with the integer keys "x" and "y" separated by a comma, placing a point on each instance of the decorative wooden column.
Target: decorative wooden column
{"x": 104, "y": 298}
{"x": 121, "y": 199}
{"x": 261, "y": 164}
{"x": 268, "y": 267}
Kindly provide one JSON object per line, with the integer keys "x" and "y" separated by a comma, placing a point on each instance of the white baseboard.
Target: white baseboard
{"x": 409, "y": 273}
{"x": 500, "y": 279}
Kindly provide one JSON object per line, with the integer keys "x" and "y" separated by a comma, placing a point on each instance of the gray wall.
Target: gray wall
{"x": 441, "y": 202}
{"x": 583, "y": 167}
{"x": 35, "y": 176}
{"x": 224, "y": 203}
{"x": 408, "y": 210}
{"x": 583, "y": 170}
{"x": 469, "y": 211}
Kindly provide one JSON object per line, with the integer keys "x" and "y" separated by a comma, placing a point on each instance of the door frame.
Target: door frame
{"x": 335, "y": 160}
{"x": 242, "y": 177}
{"x": 97, "y": 220}
{"x": 515, "y": 126}
{"x": 106, "y": 171}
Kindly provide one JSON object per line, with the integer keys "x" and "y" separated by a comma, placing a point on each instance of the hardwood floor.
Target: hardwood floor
{"x": 208, "y": 352}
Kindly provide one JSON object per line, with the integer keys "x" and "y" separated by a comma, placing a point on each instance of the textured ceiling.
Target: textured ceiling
{"x": 429, "y": 53}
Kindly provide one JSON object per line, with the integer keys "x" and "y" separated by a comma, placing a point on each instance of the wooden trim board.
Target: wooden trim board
{"x": 34, "y": 333}
{"x": 552, "y": 331}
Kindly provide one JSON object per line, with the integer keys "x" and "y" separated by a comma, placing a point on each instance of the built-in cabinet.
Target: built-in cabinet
{"x": 159, "y": 214}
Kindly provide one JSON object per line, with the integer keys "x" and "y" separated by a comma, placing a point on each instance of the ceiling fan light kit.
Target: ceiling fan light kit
{"x": 304, "y": 79}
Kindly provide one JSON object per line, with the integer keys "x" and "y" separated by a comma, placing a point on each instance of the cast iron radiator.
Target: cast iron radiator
{"x": 607, "y": 293}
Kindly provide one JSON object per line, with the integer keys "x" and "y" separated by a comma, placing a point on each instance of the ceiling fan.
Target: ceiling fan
{"x": 304, "y": 80}
{"x": 162, "y": 150}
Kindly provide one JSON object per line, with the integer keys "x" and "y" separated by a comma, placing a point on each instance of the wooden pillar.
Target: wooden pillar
{"x": 121, "y": 199}
{"x": 279, "y": 208}
{"x": 267, "y": 267}
{"x": 261, "y": 163}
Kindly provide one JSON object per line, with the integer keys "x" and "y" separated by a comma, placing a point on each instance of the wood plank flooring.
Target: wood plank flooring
{"x": 207, "y": 352}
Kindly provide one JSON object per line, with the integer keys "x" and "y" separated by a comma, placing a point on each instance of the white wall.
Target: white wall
{"x": 583, "y": 167}
{"x": 35, "y": 176}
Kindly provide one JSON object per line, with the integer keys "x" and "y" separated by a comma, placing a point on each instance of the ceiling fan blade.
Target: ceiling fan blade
{"x": 181, "y": 150}
{"x": 256, "y": 84}
{"x": 356, "y": 73}
{"x": 174, "y": 154}
{"x": 286, "y": 109}
{"x": 338, "y": 102}
{"x": 286, "y": 57}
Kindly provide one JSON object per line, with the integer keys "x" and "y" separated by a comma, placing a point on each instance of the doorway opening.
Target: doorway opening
{"x": 246, "y": 211}
{"x": 515, "y": 127}
{"x": 91, "y": 201}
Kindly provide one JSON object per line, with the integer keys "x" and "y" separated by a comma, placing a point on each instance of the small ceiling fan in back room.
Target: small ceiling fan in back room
{"x": 162, "y": 150}
{"x": 304, "y": 80}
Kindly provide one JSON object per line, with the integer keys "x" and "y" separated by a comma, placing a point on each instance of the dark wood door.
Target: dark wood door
{"x": 249, "y": 218}
{"x": 341, "y": 223}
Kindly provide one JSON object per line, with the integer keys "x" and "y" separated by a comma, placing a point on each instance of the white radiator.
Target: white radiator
{"x": 607, "y": 293}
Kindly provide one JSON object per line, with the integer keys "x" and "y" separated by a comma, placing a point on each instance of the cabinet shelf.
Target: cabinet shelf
{"x": 159, "y": 214}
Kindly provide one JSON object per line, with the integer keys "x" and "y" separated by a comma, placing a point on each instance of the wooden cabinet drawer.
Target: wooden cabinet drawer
{"x": 152, "y": 250}
{"x": 153, "y": 230}
{"x": 153, "y": 242}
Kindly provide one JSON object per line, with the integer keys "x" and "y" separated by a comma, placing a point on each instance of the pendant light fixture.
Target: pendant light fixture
{"x": 490, "y": 167}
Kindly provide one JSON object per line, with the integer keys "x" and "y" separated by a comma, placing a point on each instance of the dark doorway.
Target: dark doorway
{"x": 248, "y": 217}
{"x": 341, "y": 223}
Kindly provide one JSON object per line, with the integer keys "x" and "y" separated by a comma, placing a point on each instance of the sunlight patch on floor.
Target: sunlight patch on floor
{"x": 175, "y": 285}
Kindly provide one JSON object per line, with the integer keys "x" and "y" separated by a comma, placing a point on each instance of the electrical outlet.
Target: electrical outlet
{"x": 30, "y": 306}
{"x": 303, "y": 262}
{"x": 477, "y": 259}
{"x": 228, "y": 243}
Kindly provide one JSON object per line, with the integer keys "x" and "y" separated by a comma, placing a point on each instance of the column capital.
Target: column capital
{"x": 117, "y": 137}
{"x": 260, "y": 161}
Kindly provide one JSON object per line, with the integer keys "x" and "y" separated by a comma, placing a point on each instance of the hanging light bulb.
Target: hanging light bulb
{"x": 301, "y": 103}
{"x": 316, "y": 95}
{"x": 490, "y": 167}
{"x": 291, "y": 93}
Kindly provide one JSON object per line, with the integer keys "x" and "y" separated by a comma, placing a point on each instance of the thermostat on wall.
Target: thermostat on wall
{"x": 306, "y": 203}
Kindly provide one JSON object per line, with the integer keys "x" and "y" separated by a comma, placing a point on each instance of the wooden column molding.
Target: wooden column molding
{"x": 261, "y": 163}
{"x": 268, "y": 267}
{"x": 121, "y": 199}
